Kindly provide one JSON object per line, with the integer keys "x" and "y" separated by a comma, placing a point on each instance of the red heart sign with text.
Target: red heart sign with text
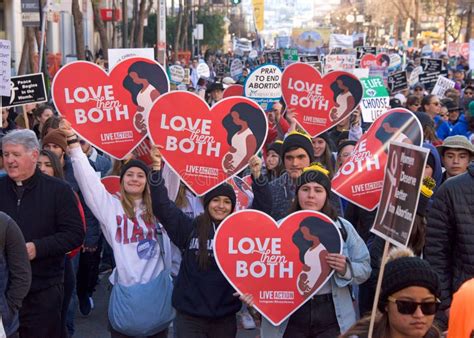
{"x": 234, "y": 90}
{"x": 112, "y": 185}
{"x": 243, "y": 193}
{"x": 360, "y": 178}
{"x": 371, "y": 60}
{"x": 109, "y": 110}
{"x": 320, "y": 102}
{"x": 281, "y": 265}
{"x": 206, "y": 146}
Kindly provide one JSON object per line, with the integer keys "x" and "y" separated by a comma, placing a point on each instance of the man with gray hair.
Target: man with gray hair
{"x": 46, "y": 210}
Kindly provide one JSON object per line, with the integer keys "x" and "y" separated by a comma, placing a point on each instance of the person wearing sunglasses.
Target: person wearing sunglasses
{"x": 431, "y": 105}
{"x": 409, "y": 299}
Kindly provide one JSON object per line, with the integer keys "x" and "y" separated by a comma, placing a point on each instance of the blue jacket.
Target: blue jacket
{"x": 461, "y": 128}
{"x": 444, "y": 129}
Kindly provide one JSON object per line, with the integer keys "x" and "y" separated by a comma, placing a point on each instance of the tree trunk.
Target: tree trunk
{"x": 469, "y": 23}
{"x": 78, "y": 30}
{"x": 32, "y": 63}
{"x": 133, "y": 24}
{"x": 141, "y": 23}
{"x": 99, "y": 25}
{"x": 185, "y": 28}
{"x": 178, "y": 29}
{"x": 415, "y": 23}
{"x": 23, "y": 67}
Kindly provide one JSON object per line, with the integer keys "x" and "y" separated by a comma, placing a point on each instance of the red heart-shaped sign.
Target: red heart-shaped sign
{"x": 360, "y": 178}
{"x": 203, "y": 146}
{"x": 109, "y": 110}
{"x": 234, "y": 90}
{"x": 243, "y": 192}
{"x": 320, "y": 102}
{"x": 112, "y": 185}
{"x": 282, "y": 265}
{"x": 371, "y": 60}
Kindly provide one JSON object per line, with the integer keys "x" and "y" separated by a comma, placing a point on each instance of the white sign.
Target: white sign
{"x": 395, "y": 61}
{"x": 176, "y": 73}
{"x": 361, "y": 72}
{"x": 341, "y": 41}
{"x": 253, "y": 54}
{"x": 5, "y": 67}
{"x": 203, "y": 70}
{"x": 441, "y": 86}
{"x": 263, "y": 85}
{"x": 236, "y": 68}
{"x": 198, "y": 32}
{"x": 243, "y": 44}
{"x": 2, "y": 329}
{"x": 339, "y": 62}
{"x": 119, "y": 54}
{"x": 413, "y": 80}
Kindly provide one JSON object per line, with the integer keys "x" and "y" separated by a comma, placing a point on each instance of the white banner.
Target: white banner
{"x": 341, "y": 41}
{"x": 5, "y": 67}
{"x": 119, "y": 54}
{"x": 441, "y": 86}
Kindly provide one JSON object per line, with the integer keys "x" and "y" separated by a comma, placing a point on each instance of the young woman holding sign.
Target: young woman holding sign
{"x": 331, "y": 311}
{"x": 205, "y": 301}
{"x": 141, "y": 249}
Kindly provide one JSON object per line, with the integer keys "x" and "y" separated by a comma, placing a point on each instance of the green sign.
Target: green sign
{"x": 290, "y": 55}
{"x": 375, "y": 101}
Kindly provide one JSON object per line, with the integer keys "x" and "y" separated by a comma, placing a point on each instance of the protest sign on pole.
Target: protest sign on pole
{"x": 30, "y": 13}
{"x": 371, "y": 60}
{"x": 25, "y": 89}
{"x": 428, "y": 80}
{"x": 414, "y": 76}
{"x": 320, "y": 101}
{"x": 290, "y": 55}
{"x": 203, "y": 70}
{"x": 119, "y": 54}
{"x": 362, "y": 50}
{"x": 177, "y": 74}
{"x": 360, "y": 177}
{"x": 274, "y": 262}
{"x": 5, "y": 67}
{"x": 375, "y": 101}
{"x": 206, "y": 146}
{"x": 273, "y": 57}
{"x": 442, "y": 85}
{"x": 109, "y": 110}
{"x": 401, "y": 191}
{"x": 341, "y": 62}
{"x": 397, "y": 81}
{"x": 263, "y": 85}
{"x": 236, "y": 69}
{"x": 431, "y": 65}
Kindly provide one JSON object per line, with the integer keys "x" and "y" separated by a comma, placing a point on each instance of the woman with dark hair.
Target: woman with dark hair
{"x": 48, "y": 163}
{"x": 246, "y": 128}
{"x": 273, "y": 163}
{"x": 347, "y": 92}
{"x": 50, "y": 124}
{"x": 42, "y": 114}
{"x": 322, "y": 147}
{"x": 143, "y": 84}
{"x": 409, "y": 300}
{"x": 400, "y": 127}
{"x": 331, "y": 310}
{"x": 413, "y": 103}
{"x": 205, "y": 301}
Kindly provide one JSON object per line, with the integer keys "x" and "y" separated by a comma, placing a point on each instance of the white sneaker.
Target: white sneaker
{"x": 247, "y": 321}
{"x": 92, "y": 302}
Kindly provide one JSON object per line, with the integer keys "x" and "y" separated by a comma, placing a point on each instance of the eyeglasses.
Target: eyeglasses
{"x": 408, "y": 307}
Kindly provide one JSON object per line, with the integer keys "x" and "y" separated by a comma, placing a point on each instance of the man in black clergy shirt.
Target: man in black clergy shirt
{"x": 46, "y": 210}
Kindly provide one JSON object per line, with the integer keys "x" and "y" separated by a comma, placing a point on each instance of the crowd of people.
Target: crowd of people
{"x": 60, "y": 227}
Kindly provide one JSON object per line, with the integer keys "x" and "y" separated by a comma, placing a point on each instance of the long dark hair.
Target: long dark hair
{"x": 55, "y": 164}
{"x": 145, "y": 70}
{"x": 354, "y": 86}
{"x": 326, "y": 232}
{"x": 407, "y": 122}
{"x": 52, "y": 122}
{"x": 426, "y": 101}
{"x": 248, "y": 113}
{"x": 204, "y": 226}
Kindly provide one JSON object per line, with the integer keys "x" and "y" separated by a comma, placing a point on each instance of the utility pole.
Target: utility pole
{"x": 161, "y": 32}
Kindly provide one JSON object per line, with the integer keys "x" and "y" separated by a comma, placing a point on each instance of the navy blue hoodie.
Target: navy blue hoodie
{"x": 197, "y": 292}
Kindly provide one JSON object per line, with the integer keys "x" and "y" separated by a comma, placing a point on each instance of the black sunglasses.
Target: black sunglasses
{"x": 407, "y": 307}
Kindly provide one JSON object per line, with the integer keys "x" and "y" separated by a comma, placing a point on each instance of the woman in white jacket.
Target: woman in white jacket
{"x": 131, "y": 230}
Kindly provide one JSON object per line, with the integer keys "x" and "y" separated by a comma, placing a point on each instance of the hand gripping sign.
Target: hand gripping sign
{"x": 360, "y": 178}
{"x": 109, "y": 110}
{"x": 204, "y": 146}
{"x": 282, "y": 265}
{"x": 320, "y": 102}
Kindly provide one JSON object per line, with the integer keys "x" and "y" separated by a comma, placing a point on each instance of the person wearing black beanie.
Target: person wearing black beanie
{"x": 409, "y": 299}
{"x": 273, "y": 160}
{"x": 133, "y": 163}
{"x": 202, "y": 296}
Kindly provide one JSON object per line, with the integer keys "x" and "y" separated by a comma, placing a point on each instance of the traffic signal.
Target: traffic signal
{"x": 235, "y": 2}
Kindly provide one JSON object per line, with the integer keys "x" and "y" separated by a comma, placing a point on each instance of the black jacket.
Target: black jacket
{"x": 197, "y": 292}
{"x": 48, "y": 215}
{"x": 450, "y": 234}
